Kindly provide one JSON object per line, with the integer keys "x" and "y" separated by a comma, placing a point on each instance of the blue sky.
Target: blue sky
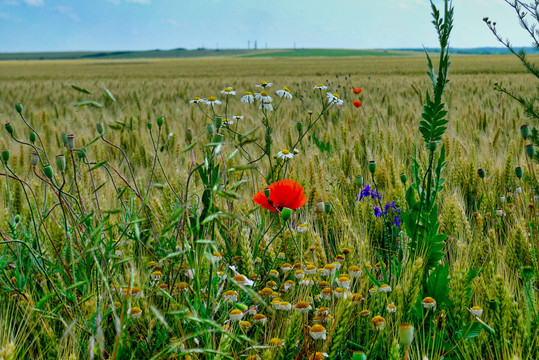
{"x": 62, "y": 25}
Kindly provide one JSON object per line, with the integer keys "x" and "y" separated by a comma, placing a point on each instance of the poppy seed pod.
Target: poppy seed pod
{"x": 32, "y": 137}
{"x": 286, "y": 213}
{"x": 17, "y": 219}
{"x": 149, "y": 125}
{"x": 188, "y": 136}
{"x": 34, "y": 158}
{"x": 47, "y": 170}
{"x": 5, "y": 155}
{"x": 359, "y": 180}
{"x": 372, "y": 166}
{"x": 299, "y": 126}
{"x": 100, "y": 128}
{"x": 210, "y": 129}
{"x": 320, "y": 207}
{"x": 404, "y": 178}
{"x": 482, "y": 173}
{"x": 217, "y": 122}
{"x": 525, "y": 131}
{"x": 70, "y": 141}
{"x": 64, "y": 139}
{"x": 530, "y": 150}
{"x": 9, "y": 128}
{"x": 267, "y": 192}
{"x": 406, "y": 334}
{"x": 61, "y": 163}
{"x": 327, "y": 208}
{"x": 519, "y": 172}
{"x": 160, "y": 121}
{"x": 19, "y": 108}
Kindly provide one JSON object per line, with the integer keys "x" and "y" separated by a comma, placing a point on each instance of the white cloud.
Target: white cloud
{"x": 68, "y": 12}
{"x": 35, "y": 2}
{"x": 170, "y": 22}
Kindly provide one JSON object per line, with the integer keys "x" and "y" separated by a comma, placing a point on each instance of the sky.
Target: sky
{"x": 72, "y": 25}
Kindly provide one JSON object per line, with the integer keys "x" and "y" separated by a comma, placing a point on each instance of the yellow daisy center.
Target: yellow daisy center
{"x": 319, "y": 85}
{"x": 247, "y": 93}
{"x": 337, "y": 96}
{"x": 264, "y": 93}
{"x": 286, "y": 89}
{"x": 228, "y": 89}
{"x": 212, "y": 98}
{"x": 285, "y": 152}
{"x": 196, "y": 98}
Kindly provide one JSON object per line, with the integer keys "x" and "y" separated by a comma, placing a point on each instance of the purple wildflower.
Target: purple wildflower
{"x": 377, "y": 211}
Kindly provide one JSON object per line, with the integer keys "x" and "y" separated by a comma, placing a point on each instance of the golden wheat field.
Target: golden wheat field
{"x": 167, "y": 256}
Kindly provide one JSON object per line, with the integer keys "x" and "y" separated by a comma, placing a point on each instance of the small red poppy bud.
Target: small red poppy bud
{"x": 357, "y": 90}
{"x": 357, "y": 103}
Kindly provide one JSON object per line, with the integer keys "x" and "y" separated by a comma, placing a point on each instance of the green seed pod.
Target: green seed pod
{"x": 34, "y": 158}
{"x": 519, "y": 172}
{"x": 82, "y": 153}
{"x": 525, "y": 131}
{"x": 17, "y": 219}
{"x": 9, "y": 128}
{"x": 286, "y": 213}
{"x": 372, "y": 166}
{"x": 64, "y": 139}
{"x": 404, "y": 178}
{"x": 267, "y": 192}
{"x": 188, "y": 136}
{"x": 100, "y": 128}
{"x": 217, "y": 122}
{"x": 210, "y": 129}
{"x": 5, "y": 156}
{"x": 70, "y": 141}
{"x": 359, "y": 180}
{"x": 61, "y": 163}
{"x": 217, "y": 138}
{"x": 530, "y": 150}
{"x": 327, "y": 208}
{"x": 32, "y": 137}
{"x": 18, "y": 107}
{"x": 482, "y": 173}
{"x": 47, "y": 170}
{"x": 149, "y": 125}
{"x": 160, "y": 121}
{"x": 299, "y": 126}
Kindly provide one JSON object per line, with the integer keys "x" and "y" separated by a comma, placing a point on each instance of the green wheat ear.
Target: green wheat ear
{"x": 294, "y": 339}
{"x": 339, "y": 334}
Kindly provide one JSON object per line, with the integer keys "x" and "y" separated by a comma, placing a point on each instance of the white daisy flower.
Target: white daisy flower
{"x": 264, "y": 84}
{"x": 196, "y": 100}
{"x": 134, "y": 312}
{"x": 212, "y": 101}
{"x": 301, "y": 228}
{"x": 334, "y": 99}
{"x": 476, "y": 311}
{"x": 384, "y": 288}
{"x": 227, "y": 122}
{"x": 307, "y": 282}
{"x": 285, "y": 154}
{"x": 248, "y": 97}
{"x": 237, "y": 117}
{"x": 228, "y": 91}
{"x": 318, "y": 332}
{"x": 284, "y": 93}
{"x": 266, "y": 106}
{"x": 320, "y": 86}
{"x": 263, "y": 96}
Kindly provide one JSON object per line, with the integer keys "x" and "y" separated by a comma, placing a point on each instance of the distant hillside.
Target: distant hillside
{"x": 184, "y": 53}
{"x": 479, "y": 50}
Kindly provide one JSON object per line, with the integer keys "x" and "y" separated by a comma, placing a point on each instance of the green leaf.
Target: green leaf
{"x": 89, "y": 103}
{"x": 80, "y": 88}
{"x": 109, "y": 94}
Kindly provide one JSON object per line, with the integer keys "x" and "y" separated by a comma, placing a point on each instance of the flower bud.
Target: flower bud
{"x": 217, "y": 122}
{"x": 149, "y": 125}
{"x": 320, "y": 207}
{"x": 61, "y": 163}
{"x": 70, "y": 141}
{"x": 18, "y": 107}
{"x": 210, "y": 129}
{"x": 100, "y": 128}
{"x": 5, "y": 155}
{"x": 359, "y": 180}
{"x": 482, "y": 173}
{"x": 372, "y": 166}
{"x": 299, "y": 126}
{"x": 188, "y": 136}
{"x": 34, "y": 158}
{"x": 47, "y": 170}
{"x": 9, "y": 128}
{"x": 159, "y": 121}
{"x": 404, "y": 178}
{"x": 32, "y": 137}
{"x": 286, "y": 213}
{"x": 518, "y": 172}
{"x": 530, "y": 150}
{"x": 406, "y": 334}
{"x": 525, "y": 131}
{"x": 267, "y": 192}
{"x": 17, "y": 219}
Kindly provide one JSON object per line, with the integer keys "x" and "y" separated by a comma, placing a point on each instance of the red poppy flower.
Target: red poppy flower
{"x": 357, "y": 103}
{"x": 357, "y": 90}
{"x": 284, "y": 193}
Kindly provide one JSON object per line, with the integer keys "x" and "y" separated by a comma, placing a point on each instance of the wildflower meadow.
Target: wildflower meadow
{"x": 304, "y": 208}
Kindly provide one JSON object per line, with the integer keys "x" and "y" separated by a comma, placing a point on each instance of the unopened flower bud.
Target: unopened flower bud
{"x": 61, "y": 163}
{"x": 64, "y": 139}
{"x": 482, "y": 173}
{"x": 327, "y": 208}
{"x": 217, "y": 122}
{"x": 525, "y": 131}
{"x": 299, "y": 126}
{"x": 47, "y": 170}
{"x": 267, "y": 192}
{"x": 17, "y": 219}
{"x": 188, "y": 136}
{"x": 32, "y": 137}
{"x": 18, "y": 107}
{"x": 159, "y": 121}
{"x": 100, "y": 128}
{"x": 9, "y": 128}
{"x": 359, "y": 180}
{"x": 404, "y": 178}
{"x": 5, "y": 155}
{"x": 149, "y": 125}
{"x": 210, "y": 129}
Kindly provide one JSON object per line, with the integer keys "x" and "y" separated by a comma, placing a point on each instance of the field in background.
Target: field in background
{"x": 483, "y": 132}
